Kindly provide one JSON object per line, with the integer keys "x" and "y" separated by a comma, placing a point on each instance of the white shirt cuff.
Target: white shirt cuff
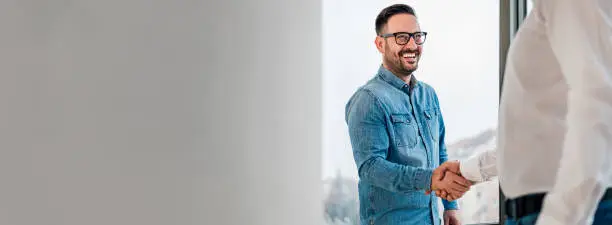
{"x": 470, "y": 169}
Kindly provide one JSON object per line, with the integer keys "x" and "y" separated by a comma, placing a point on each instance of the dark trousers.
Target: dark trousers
{"x": 603, "y": 216}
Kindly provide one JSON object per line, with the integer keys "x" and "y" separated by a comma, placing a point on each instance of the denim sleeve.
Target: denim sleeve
{"x": 370, "y": 141}
{"x": 448, "y": 205}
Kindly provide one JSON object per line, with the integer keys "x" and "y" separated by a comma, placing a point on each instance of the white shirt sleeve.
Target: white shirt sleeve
{"x": 580, "y": 34}
{"x": 481, "y": 167}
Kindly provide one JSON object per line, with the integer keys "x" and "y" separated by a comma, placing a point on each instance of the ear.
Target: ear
{"x": 380, "y": 44}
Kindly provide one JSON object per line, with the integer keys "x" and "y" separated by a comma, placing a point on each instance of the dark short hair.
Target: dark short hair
{"x": 386, "y": 13}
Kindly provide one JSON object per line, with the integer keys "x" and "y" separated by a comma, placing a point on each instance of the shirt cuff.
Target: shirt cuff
{"x": 450, "y": 205}
{"x": 423, "y": 178}
{"x": 470, "y": 169}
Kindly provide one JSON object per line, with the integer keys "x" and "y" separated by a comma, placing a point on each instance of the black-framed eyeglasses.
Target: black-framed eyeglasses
{"x": 402, "y": 38}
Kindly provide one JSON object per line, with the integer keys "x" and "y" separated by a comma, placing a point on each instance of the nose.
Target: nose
{"x": 411, "y": 44}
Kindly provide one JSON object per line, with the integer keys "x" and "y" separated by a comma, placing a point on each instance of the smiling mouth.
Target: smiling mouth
{"x": 409, "y": 56}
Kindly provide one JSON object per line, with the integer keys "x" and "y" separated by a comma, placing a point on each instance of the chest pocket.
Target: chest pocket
{"x": 404, "y": 130}
{"x": 431, "y": 116}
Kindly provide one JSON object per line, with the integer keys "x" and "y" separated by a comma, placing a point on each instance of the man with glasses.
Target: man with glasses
{"x": 397, "y": 133}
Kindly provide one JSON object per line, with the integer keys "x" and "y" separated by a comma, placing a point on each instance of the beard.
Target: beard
{"x": 398, "y": 66}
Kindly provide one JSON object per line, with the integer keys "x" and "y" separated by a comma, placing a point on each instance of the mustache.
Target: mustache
{"x": 409, "y": 51}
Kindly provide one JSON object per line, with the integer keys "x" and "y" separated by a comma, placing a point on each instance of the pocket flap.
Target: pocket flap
{"x": 430, "y": 113}
{"x": 400, "y": 118}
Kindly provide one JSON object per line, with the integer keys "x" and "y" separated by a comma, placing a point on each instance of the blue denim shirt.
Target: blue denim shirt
{"x": 397, "y": 134}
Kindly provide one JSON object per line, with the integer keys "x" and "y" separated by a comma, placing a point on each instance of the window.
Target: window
{"x": 529, "y": 5}
{"x": 460, "y": 60}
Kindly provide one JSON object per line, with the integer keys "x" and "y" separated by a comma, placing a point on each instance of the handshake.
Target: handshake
{"x": 447, "y": 181}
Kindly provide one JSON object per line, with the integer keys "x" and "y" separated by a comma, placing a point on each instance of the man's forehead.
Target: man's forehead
{"x": 402, "y": 23}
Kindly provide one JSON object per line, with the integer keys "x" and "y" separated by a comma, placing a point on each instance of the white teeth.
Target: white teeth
{"x": 411, "y": 55}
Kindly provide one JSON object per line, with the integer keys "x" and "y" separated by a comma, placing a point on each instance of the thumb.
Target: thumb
{"x": 439, "y": 173}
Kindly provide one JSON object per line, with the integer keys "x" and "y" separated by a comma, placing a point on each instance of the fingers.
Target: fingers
{"x": 446, "y": 185}
{"x": 445, "y": 195}
{"x": 438, "y": 173}
{"x": 452, "y": 166}
{"x": 453, "y": 186}
{"x": 459, "y": 180}
{"x": 458, "y": 189}
{"x": 452, "y": 198}
{"x": 452, "y": 193}
{"x": 450, "y": 182}
{"x": 442, "y": 194}
{"x": 436, "y": 178}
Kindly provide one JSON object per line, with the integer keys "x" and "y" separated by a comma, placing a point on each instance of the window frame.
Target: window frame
{"x": 511, "y": 14}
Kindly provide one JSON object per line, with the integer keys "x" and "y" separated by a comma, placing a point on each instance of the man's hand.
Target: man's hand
{"x": 452, "y": 166}
{"x": 445, "y": 195}
{"x": 451, "y": 217}
{"x": 445, "y": 179}
{"x": 451, "y": 187}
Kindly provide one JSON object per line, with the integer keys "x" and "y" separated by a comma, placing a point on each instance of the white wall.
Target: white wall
{"x": 179, "y": 112}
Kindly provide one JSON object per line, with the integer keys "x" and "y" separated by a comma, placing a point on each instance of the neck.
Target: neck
{"x": 404, "y": 76}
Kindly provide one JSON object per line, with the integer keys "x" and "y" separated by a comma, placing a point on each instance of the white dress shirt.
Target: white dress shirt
{"x": 555, "y": 132}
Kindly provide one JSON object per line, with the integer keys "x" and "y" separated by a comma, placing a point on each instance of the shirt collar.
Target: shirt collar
{"x": 395, "y": 81}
